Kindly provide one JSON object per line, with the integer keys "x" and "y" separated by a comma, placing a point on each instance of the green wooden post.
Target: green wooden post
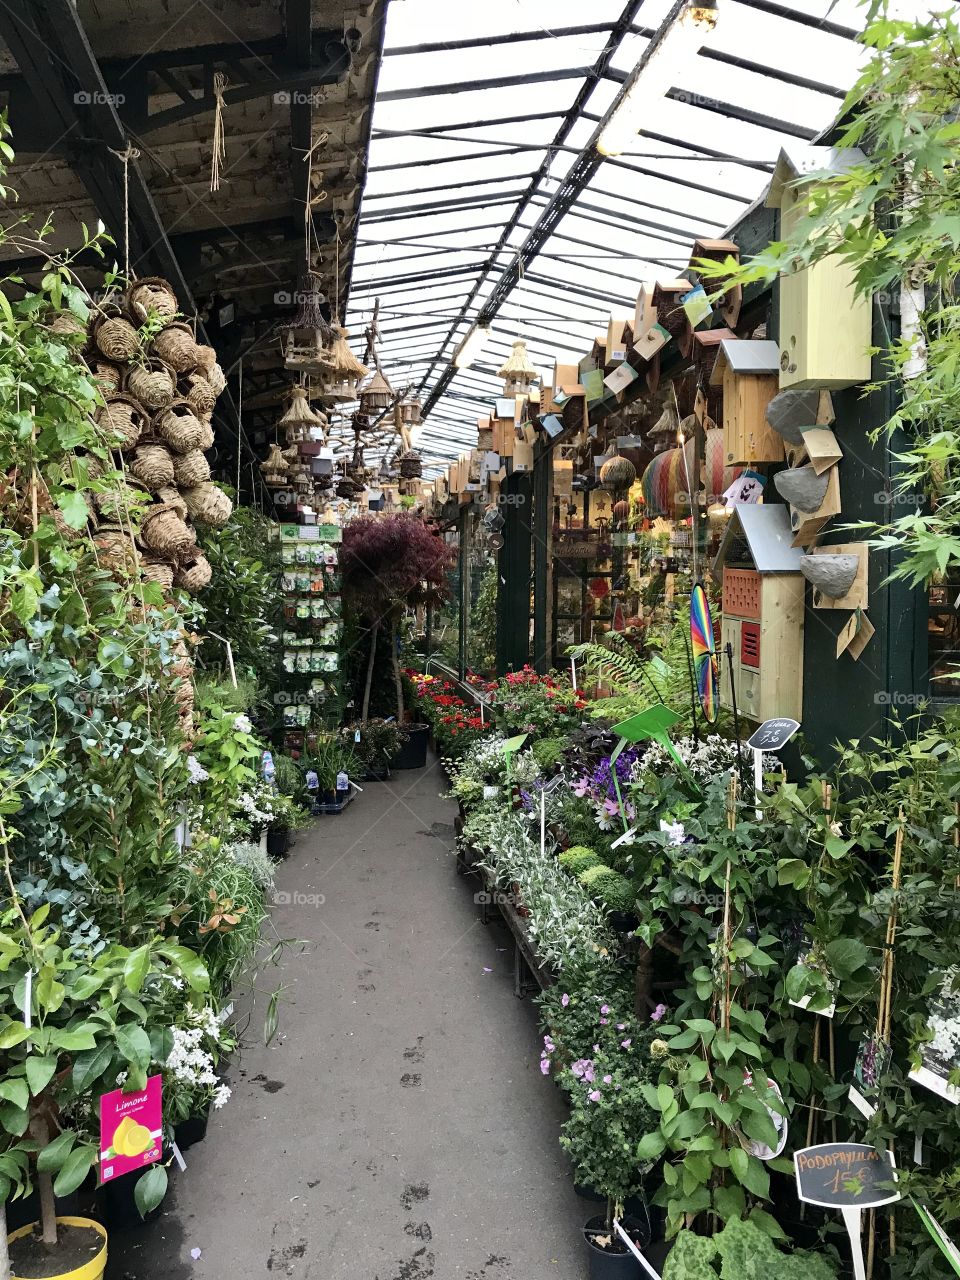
{"x": 513, "y": 587}
{"x": 543, "y": 503}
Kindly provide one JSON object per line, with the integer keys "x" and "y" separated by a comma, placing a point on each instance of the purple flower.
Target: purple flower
{"x": 596, "y": 1048}
{"x": 625, "y": 1044}
{"x": 604, "y": 1022}
{"x": 548, "y": 1044}
{"x": 589, "y": 1075}
{"x": 594, "y": 1096}
{"x": 658, "y": 1013}
{"x": 545, "y": 1066}
{"x": 564, "y": 999}
{"x": 604, "y": 1008}
{"x": 581, "y": 1067}
{"x": 621, "y": 1026}
{"x": 608, "y": 1079}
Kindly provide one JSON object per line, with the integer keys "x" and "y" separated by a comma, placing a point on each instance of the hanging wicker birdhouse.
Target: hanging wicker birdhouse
{"x": 411, "y": 465}
{"x": 344, "y": 370}
{"x": 664, "y": 431}
{"x": 179, "y": 427}
{"x": 617, "y": 473}
{"x": 152, "y": 383}
{"x": 275, "y": 467}
{"x": 307, "y": 341}
{"x": 301, "y": 421}
{"x": 177, "y": 347}
{"x": 114, "y": 336}
{"x": 518, "y": 373}
{"x": 377, "y": 395}
{"x": 208, "y": 504}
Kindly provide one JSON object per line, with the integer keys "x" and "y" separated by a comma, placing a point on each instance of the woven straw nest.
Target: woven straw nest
{"x": 155, "y": 569}
{"x": 171, "y": 496}
{"x": 411, "y": 465}
{"x": 178, "y": 426}
{"x": 115, "y": 549}
{"x": 152, "y": 383}
{"x": 67, "y": 325}
{"x": 153, "y": 295}
{"x": 207, "y": 504}
{"x": 153, "y": 465}
{"x": 191, "y": 469}
{"x": 164, "y": 531}
{"x": 124, "y": 417}
{"x": 193, "y": 573}
{"x": 206, "y": 436}
{"x": 176, "y": 346}
{"x": 114, "y": 336}
{"x": 199, "y": 393}
{"x": 210, "y": 368}
{"x": 107, "y": 376}
{"x": 114, "y": 504}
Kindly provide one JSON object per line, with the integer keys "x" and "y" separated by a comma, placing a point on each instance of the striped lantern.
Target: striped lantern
{"x": 665, "y": 486}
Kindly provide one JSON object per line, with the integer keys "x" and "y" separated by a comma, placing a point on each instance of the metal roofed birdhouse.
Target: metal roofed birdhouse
{"x": 824, "y": 325}
{"x": 518, "y": 373}
{"x": 307, "y": 340}
{"x": 746, "y": 369}
{"x": 763, "y": 598}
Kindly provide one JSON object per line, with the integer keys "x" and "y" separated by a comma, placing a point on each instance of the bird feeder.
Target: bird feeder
{"x": 824, "y": 324}
{"x": 307, "y": 340}
{"x": 763, "y": 597}
{"x": 275, "y": 468}
{"x": 718, "y": 251}
{"x": 410, "y": 410}
{"x": 518, "y": 373}
{"x": 377, "y": 395}
{"x": 301, "y": 421}
{"x": 747, "y": 372}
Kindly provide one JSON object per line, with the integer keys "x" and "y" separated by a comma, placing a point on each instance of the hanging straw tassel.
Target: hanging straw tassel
{"x": 219, "y": 144}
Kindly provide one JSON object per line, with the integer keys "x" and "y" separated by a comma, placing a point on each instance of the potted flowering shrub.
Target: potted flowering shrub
{"x": 547, "y": 706}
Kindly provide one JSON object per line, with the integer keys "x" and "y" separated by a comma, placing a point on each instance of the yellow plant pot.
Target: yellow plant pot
{"x": 92, "y": 1270}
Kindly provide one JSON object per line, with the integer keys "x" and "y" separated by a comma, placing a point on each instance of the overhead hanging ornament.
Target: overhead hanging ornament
{"x": 308, "y": 339}
{"x": 664, "y": 430}
{"x": 301, "y": 421}
{"x": 617, "y": 473}
{"x": 377, "y": 395}
{"x": 518, "y": 373}
{"x": 343, "y": 370}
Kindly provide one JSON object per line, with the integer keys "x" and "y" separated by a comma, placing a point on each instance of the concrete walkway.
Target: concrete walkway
{"x": 399, "y": 1127}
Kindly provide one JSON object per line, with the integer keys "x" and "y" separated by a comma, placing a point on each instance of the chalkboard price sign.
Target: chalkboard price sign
{"x": 773, "y": 735}
{"x": 841, "y": 1175}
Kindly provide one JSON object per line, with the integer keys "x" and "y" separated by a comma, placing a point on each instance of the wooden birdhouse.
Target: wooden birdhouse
{"x": 484, "y": 433}
{"x": 619, "y": 339}
{"x": 410, "y": 408}
{"x": 825, "y": 328}
{"x": 376, "y": 395}
{"x": 763, "y": 597}
{"x": 666, "y": 303}
{"x": 645, "y": 315}
{"x": 307, "y": 341}
{"x": 746, "y": 369}
{"x": 719, "y": 251}
{"x": 518, "y": 373}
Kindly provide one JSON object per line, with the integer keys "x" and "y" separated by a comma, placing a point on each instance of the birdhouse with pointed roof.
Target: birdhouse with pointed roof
{"x": 825, "y": 327}
{"x": 518, "y": 373}
{"x": 761, "y": 643}
{"x": 746, "y": 369}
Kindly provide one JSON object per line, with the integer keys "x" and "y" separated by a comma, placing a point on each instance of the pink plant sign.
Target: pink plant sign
{"x": 131, "y": 1128}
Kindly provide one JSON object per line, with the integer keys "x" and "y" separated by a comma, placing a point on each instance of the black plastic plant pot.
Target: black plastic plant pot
{"x": 623, "y": 921}
{"x": 328, "y": 796}
{"x": 341, "y": 796}
{"x": 616, "y": 1263}
{"x": 116, "y": 1206}
{"x": 278, "y": 846}
{"x": 377, "y": 773}
{"x": 413, "y": 753}
{"x": 192, "y": 1130}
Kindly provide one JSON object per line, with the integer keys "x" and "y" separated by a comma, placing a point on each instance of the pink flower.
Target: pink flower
{"x": 594, "y": 1096}
{"x": 608, "y": 1079}
{"x": 658, "y": 1013}
{"x": 604, "y": 1008}
{"x": 604, "y": 1022}
{"x": 621, "y": 1026}
{"x": 545, "y": 1066}
{"x": 625, "y": 1044}
{"x": 564, "y": 999}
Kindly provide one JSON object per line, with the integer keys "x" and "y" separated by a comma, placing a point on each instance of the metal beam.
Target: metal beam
{"x": 483, "y": 42}
{"x": 497, "y": 82}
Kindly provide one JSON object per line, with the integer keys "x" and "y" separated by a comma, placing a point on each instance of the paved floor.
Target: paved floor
{"x": 399, "y": 1127}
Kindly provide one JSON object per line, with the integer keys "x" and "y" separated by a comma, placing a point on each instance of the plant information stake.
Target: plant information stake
{"x": 848, "y": 1176}
{"x": 772, "y": 736}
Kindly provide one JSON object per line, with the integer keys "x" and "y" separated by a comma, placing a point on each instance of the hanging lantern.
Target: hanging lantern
{"x": 307, "y": 340}
{"x": 518, "y": 373}
{"x": 344, "y": 370}
{"x": 617, "y": 473}
{"x": 410, "y": 411}
{"x": 376, "y": 395}
{"x": 664, "y": 430}
{"x": 621, "y": 510}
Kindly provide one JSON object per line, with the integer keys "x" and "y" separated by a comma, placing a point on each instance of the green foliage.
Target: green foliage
{"x": 548, "y": 753}
{"x": 895, "y": 216}
{"x": 482, "y": 651}
{"x": 742, "y": 1251}
{"x": 578, "y": 858}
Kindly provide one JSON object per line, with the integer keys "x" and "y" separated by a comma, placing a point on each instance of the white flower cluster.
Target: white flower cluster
{"x": 254, "y": 861}
{"x": 706, "y": 759}
{"x": 188, "y": 1061}
{"x": 243, "y": 724}
{"x": 481, "y": 761}
{"x": 196, "y": 770}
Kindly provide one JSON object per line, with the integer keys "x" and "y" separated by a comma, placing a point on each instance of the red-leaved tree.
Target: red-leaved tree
{"x": 389, "y": 563}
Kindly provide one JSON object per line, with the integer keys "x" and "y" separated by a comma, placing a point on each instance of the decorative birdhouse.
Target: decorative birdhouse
{"x": 761, "y": 646}
{"x": 618, "y": 473}
{"x": 343, "y": 370}
{"x": 301, "y": 422}
{"x": 747, "y": 372}
{"x": 275, "y": 468}
{"x": 306, "y": 343}
{"x": 666, "y": 303}
{"x": 377, "y": 395}
{"x": 663, "y": 433}
{"x": 410, "y": 408}
{"x": 719, "y": 251}
{"x": 824, "y": 325}
{"x": 518, "y": 373}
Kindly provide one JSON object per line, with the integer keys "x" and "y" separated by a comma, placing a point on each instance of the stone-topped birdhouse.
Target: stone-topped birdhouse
{"x": 824, "y": 326}
{"x": 746, "y": 369}
{"x": 763, "y": 598}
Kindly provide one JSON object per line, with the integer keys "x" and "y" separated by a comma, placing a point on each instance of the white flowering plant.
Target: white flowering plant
{"x": 197, "y": 1041}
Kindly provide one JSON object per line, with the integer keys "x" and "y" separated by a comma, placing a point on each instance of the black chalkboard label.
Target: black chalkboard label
{"x": 773, "y": 735}
{"x": 841, "y": 1175}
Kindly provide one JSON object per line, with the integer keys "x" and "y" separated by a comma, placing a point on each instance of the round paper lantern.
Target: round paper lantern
{"x": 661, "y": 482}
{"x": 617, "y": 473}
{"x": 621, "y": 509}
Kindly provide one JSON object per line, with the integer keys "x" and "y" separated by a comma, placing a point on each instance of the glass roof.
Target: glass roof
{"x": 481, "y": 113}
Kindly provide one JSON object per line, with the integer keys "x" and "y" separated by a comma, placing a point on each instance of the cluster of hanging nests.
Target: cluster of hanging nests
{"x": 159, "y": 389}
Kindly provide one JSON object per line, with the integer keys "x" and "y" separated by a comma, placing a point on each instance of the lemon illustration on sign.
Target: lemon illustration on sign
{"x": 130, "y": 1138}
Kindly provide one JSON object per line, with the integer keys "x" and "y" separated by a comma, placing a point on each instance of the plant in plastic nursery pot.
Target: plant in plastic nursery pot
{"x": 89, "y": 1022}
{"x": 389, "y": 563}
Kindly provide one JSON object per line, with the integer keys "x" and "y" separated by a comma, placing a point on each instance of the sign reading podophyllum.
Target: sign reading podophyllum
{"x": 841, "y": 1175}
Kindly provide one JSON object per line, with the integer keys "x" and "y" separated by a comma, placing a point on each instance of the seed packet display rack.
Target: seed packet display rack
{"x": 311, "y": 694}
